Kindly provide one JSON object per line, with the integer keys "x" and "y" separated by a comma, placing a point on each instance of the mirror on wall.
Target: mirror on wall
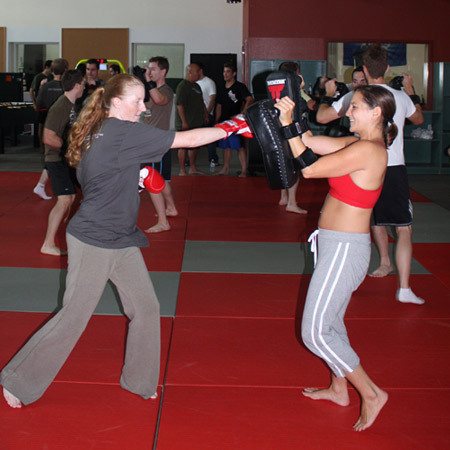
{"x": 30, "y": 58}
{"x": 409, "y": 58}
{"x": 173, "y": 52}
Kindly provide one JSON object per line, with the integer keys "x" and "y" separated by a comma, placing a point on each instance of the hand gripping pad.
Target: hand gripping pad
{"x": 281, "y": 170}
{"x": 285, "y": 83}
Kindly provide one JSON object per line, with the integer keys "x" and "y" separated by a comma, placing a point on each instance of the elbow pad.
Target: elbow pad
{"x": 306, "y": 158}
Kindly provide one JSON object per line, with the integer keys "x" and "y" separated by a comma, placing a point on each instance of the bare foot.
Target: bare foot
{"x": 171, "y": 212}
{"x": 223, "y": 172}
{"x": 370, "y": 410}
{"x": 195, "y": 172}
{"x": 296, "y": 209}
{"x": 12, "y": 400}
{"x": 51, "y": 250}
{"x": 341, "y": 398}
{"x": 243, "y": 175}
{"x": 283, "y": 200}
{"x": 158, "y": 228}
{"x": 382, "y": 271}
{"x": 182, "y": 173}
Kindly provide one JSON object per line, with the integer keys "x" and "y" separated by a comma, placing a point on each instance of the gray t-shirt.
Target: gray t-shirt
{"x": 48, "y": 94}
{"x": 160, "y": 117}
{"x": 109, "y": 174}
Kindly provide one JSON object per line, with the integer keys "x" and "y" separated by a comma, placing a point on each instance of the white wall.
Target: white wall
{"x": 204, "y": 26}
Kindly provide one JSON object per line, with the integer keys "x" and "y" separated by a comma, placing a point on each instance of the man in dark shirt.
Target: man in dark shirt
{"x": 46, "y": 95}
{"x": 190, "y": 113}
{"x": 232, "y": 99}
{"x": 46, "y": 75}
{"x": 93, "y": 81}
{"x": 52, "y": 90}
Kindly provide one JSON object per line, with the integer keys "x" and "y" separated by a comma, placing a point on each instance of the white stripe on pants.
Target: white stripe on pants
{"x": 342, "y": 266}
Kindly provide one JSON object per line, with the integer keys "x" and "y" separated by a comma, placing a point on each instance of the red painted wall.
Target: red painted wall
{"x": 300, "y": 29}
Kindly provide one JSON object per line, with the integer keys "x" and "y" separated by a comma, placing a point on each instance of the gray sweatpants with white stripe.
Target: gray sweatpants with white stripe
{"x": 341, "y": 267}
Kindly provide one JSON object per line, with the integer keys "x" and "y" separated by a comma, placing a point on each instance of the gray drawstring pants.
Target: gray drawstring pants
{"x": 37, "y": 363}
{"x": 342, "y": 266}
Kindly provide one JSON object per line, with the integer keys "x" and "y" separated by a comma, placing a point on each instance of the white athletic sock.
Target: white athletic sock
{"x": 408, "y": 296}
{"x": 40, "y": 190}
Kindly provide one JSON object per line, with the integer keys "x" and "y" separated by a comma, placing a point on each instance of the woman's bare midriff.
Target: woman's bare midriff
{"x": 338, "y": 216}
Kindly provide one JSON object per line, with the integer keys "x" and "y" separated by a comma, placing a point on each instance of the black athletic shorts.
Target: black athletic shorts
{"x": 394, "y": 207}
{"x": 42, "y": 115}
{"x": 164, "y": 167}
{"x": 62, "y": 178}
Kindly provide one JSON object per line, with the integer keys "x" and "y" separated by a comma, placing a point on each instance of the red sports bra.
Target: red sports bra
{"x": 345, "y": 190}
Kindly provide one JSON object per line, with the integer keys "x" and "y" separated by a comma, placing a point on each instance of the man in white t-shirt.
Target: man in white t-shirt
{"x": 326, "y": 112}
{"x": 394, "y": 207}
{"x": 209, "y": 92}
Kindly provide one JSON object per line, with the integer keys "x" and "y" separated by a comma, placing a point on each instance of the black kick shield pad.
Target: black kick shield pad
{"x": 287, "y": 84}
{"x": 281, "y": 170}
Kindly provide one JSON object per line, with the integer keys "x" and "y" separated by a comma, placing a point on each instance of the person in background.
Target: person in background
{"x": 160, "y": 105}
{"x": 48, "y": 93}
{"x": 190, "y": 113}
{"x": 60, "y": 119}
{"x": 114, "y": 69}
{"x": 46, "y": 74}
{"x": 332, "y": 110}
{"x": 289, "y": 196}
{"x": 93, "y": 80}
{"x": 394, "y": 208}
{"x": 232, "y": 99}
{"x": 209, "y": 92}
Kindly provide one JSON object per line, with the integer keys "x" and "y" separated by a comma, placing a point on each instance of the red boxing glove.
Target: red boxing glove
{"x": 236, "y": 125}
{"x": 151, "y": 179}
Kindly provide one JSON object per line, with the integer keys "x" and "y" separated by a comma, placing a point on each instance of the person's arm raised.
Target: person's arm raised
{"x": 158, "y": 97}
{"x": 338, "y": 162}
{"x": 408, "y": 86}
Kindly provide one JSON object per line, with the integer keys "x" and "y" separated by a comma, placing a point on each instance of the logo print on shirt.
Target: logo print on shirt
{"x": 232, "y": 96}
{"x": 72, "y": 116}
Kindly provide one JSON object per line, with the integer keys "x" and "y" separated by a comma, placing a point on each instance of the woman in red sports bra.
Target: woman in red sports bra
{"x": 355, "y": 168}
